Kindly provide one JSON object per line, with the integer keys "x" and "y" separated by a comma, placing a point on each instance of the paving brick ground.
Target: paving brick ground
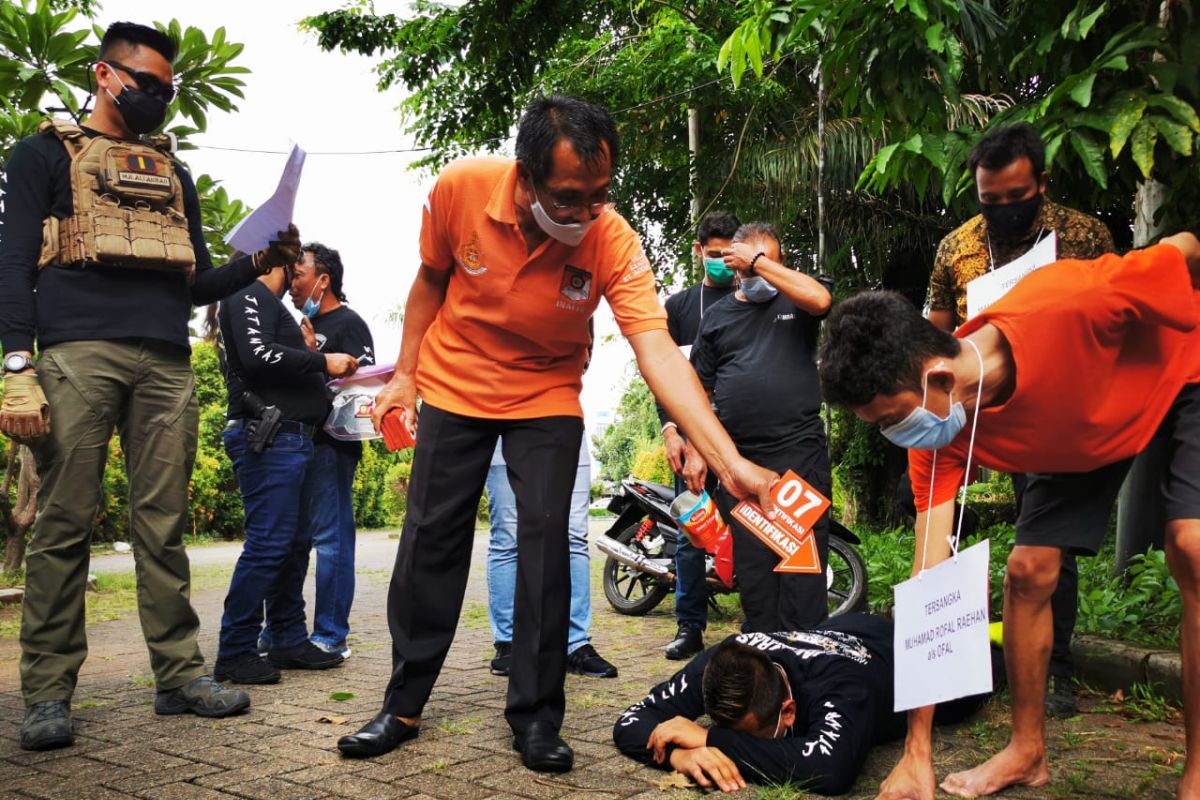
{"x": 283, "y": 749}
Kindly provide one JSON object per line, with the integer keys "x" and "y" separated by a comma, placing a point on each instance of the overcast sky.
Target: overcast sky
{"x": 366, "y": 206}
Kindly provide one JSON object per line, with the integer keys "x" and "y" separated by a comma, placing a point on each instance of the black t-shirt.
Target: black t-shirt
{"x": 263, "y": 351}
{"x": 841, "y": 679}
{"x": 758, "y": 360}
{"x": 95, "y": 303}
{"x": 342, "y": 330}
{"x": 684, "y": 311}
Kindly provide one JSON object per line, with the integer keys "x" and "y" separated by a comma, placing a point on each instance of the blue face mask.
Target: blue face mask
{"x": 312, "y": 307}
{"x": 757, "y": 290}
{"x": 717, "y": 272}
{"x": 924, "y": 430}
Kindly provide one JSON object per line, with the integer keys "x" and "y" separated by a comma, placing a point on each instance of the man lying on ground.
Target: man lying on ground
{"x": 1068, "y": 376}
{"x": 799, "y": 706}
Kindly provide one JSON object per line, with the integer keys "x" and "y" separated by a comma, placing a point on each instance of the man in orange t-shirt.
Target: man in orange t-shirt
{"x": 515, "y": 256}
{"x": 1068, "y": 376}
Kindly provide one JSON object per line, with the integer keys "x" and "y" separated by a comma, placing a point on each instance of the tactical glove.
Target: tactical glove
{"x": 281, "y": 252}
{"x": 24, "y": 414}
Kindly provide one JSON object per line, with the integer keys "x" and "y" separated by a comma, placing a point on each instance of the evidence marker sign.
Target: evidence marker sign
{"x": 942, "y": 649}
{"x": 789, "y": 534}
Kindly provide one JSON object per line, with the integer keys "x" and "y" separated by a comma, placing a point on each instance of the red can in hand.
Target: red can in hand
{"x": 395, "y": 433}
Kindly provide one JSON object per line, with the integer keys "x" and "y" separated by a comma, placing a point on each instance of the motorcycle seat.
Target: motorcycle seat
{"x": 664, "y": 493}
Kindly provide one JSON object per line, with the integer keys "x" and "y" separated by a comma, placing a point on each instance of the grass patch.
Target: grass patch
{"x": 1145, "y": 704}
{"x": 459, "y": 726}
{"x": 587, "y": 700}
{"x": 475, "y": 617}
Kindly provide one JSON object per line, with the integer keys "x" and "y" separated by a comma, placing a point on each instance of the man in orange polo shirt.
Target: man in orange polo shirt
{"x": 515, "y": 256}
{"x": 1068, "y": 377}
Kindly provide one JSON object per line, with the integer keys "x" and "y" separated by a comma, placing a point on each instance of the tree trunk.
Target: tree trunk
{"x": 22, "y": 513}
{"x": 1140, "y": 517}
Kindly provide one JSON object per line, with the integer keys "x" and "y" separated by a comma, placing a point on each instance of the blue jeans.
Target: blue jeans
{"x": 274, "y": 557}
{"x": 691, "y": 589}
{"x": 328, "y": 516}
{"x": 502, "y": 551}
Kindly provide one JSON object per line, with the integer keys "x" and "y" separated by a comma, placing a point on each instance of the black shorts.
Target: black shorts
{"x": 1181, "y": 479}
{"x": 1071, "y": 510}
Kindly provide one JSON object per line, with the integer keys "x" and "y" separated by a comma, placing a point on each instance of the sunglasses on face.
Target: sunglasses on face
{"x": 146, "y": 82}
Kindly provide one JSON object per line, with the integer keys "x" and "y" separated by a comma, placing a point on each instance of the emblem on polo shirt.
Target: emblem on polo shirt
{"x": 576, "y": 284}
{"x": 469, "y": 258}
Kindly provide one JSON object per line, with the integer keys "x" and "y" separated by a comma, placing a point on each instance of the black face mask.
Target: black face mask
{"x": 1009, "y": 220}
{"x": 143, "y": 112}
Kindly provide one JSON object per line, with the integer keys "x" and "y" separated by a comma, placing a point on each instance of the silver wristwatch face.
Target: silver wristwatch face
{"x": 16, "y": 362}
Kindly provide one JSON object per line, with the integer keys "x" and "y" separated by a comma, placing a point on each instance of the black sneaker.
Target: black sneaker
{"x": 305, "y": 655}
{"x": 587, "y": 662}
{"x": 1060, "y": 698}
{"x": 245, "y": 668}
{"x": 203, "y": 697}
{"x": 47, "y": 726}
{"x": 689, "y": 640}
{"x": 502, "y": 661}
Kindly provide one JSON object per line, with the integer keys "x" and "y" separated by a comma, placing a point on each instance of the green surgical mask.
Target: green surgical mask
{"x": 717, "y": 272}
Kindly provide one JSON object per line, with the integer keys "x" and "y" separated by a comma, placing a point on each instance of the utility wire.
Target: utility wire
{"x": 481, "y": 142}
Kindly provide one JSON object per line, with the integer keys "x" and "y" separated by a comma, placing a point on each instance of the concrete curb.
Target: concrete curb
{"x": 1110, "y": 665}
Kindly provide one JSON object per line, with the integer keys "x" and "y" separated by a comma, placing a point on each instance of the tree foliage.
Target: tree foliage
{"x": 1113, "y": 87}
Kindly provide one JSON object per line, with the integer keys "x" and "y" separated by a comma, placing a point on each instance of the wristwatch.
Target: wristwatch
{"x": 15, "y": 362}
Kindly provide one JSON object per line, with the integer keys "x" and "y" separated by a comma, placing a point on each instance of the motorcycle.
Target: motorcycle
{"x": 640, "y": 569}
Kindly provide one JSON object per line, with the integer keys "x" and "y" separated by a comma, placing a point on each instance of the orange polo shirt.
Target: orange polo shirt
{"x": 1101, "y": 348}
{"x": 511, "y": 339}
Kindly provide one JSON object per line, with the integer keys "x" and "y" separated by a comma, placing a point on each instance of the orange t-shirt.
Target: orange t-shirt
{"x": 511, "y": 339}
{"x": 1101, "y": 348}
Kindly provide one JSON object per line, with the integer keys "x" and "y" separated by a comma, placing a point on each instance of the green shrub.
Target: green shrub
{"x": 395, "y": 498}
{"x": 650, "y": 463}
{"x": 370, "y": 486}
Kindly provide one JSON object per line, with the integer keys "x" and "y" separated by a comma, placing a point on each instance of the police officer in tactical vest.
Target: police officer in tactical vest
{"x": 107, "y": 229}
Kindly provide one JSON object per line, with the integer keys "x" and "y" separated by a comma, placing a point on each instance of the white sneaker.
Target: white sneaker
{"x": 344, "y": 651}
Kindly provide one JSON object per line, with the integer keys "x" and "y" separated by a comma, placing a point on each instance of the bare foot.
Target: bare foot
{"x": 911, "y": 779}
{"x": 1009, "y": 767}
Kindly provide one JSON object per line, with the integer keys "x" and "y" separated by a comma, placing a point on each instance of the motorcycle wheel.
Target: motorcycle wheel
{"x": 627, "y": 590}
{"x": 846, "y": 578}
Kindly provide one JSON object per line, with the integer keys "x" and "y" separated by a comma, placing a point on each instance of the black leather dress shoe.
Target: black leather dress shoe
{"x": 381, "y": 735}
{"x": 543, "y": 750}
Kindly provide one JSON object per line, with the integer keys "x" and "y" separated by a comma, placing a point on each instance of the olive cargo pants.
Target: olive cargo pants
{"x": 144, "y": 389}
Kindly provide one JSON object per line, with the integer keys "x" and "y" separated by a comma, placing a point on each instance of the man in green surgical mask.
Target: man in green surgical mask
{"x": 684, "y": 312}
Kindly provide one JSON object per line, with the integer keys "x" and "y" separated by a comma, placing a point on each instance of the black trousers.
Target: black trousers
{"x": 781, "y": 601}
{"x": 425, "y": 599}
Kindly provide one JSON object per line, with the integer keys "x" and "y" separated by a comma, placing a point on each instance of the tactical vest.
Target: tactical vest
{"x": 128, "y": 207}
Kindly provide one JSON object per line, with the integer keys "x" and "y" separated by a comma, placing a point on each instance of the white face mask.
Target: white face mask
{"x": 570, "y": 234}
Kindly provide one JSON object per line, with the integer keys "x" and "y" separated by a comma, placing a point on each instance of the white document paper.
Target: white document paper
{"x": 987, "y": 289}
{"x": 264, "y": 223}
{"x": 942, "y": 650}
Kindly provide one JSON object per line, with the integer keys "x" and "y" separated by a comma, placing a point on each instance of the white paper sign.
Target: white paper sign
{"x": 987, "y": 289}
{"x": 264, "y": 223}
{"x": 942, "y": 649}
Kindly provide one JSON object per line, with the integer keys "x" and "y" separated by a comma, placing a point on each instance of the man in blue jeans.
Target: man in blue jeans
{"x": 327, "y": 514}
{"x": 582, "y": 658}
{"x": 267, "y": 366}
